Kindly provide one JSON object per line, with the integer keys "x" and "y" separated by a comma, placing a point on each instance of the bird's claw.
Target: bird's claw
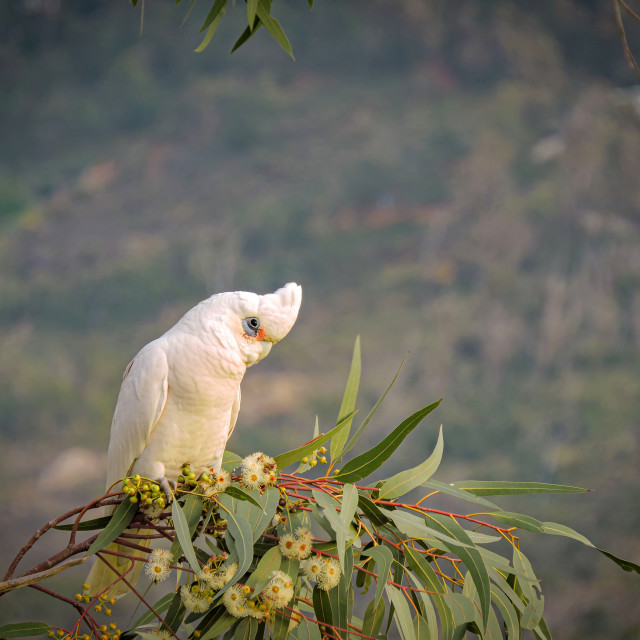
{"x": 168, "y": 488}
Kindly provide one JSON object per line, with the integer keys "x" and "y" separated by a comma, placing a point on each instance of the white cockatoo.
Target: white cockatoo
{"x": 180, "y": 395}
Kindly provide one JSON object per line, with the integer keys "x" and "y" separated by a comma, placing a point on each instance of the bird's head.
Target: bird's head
{"x": 256, "y": 322}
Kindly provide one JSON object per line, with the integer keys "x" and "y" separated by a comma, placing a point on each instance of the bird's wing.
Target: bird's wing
{"x": 142, "y": 399}
{"x": 234, "y": 414}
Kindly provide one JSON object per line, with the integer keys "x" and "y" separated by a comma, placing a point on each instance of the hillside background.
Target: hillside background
{"x": 457, "y": 180}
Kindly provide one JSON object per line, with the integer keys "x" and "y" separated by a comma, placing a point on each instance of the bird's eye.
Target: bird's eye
{"x": 251, "y": 326}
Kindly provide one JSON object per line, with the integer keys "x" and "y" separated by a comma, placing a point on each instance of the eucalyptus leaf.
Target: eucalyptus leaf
{"x": 184, "y": 536}
{"x": 348, "y": 405}
{"x": 405, "y": 481}
{"x": 361, "y": 466}
{"x": 24, "y": 629}
{"x": 118, "y": 522}
{"x": 500, "y": 488}
{"x": 376, "y": 406}
{"x": 383, "y": 558}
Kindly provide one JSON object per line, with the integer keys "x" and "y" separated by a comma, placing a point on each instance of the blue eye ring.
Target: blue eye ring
{"x": 251, "y": 326}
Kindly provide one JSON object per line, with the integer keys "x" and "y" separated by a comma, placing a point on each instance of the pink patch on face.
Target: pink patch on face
{"x": 261, "y": 334}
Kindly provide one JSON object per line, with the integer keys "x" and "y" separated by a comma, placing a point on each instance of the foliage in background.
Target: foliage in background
{"x": 259, "y": 553}
{"x": 258, "y": 14}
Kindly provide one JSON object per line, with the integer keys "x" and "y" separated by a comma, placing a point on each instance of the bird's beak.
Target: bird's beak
{"x": 266, "y": 347}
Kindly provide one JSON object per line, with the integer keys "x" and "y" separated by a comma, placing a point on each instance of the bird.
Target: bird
{"x": 180, "y": 396}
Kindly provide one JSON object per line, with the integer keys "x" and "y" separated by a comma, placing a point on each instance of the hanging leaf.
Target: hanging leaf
{"x": 383, "y": 558}
{"x": 402, "y": 613}
{"x": 518, "y": 520}
{"x": 500, "y": 488}
{"x": 160, "y": 606}
{"x": 252, "y": 6}
{"x": 184, "y": 536}
{"x": 627, "y": 565}
{"x": 119, "y": 521}
{"x": 273, "y": 26}
{"x": 269, "y": 563}
{"x": 373, "y": 618}
{"x": 322, "y": 606}
{"x": 366, "y": 463}
{"x": 192, "y": 512}
{"x": 429, "y": 578}
{"x": 444, "y": 487}
{"x": 508, "y": 613}
{"x": 469, "y": 555}
{"x": 404, "y": 481}
{"x": 24, "y": 629}
{"x": 555, "y": 529}
{"x": 240, "y": 531}
{"x": 215, "y": 13}
{"x": 175, "y": 614}
{"x": 210, "y": 31}
{"x": 348, "y": 403}
{"x": 87, "y": 525}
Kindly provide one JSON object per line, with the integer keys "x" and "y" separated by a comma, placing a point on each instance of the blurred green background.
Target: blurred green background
{"x": 457, "y": 180}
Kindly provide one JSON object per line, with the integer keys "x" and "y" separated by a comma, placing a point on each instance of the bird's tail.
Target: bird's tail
{"x": 104, "y": 578}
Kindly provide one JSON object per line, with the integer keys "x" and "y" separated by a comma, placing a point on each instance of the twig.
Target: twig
{"x": 24, "y": 581}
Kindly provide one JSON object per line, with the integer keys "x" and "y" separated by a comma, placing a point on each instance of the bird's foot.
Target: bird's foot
{"x": 168, "y": 488}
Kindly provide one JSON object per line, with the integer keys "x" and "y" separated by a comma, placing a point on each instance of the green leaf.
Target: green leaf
{"x": 239, "y": 529}
{"x": 215, "y": 13}
{"x": 322, "y": 606}
{"x": 348, "y": 403}
{"x": 192, "y": 511}
{"x": 627, "y": 565}
{"x": 530, "y": 589}
{"x": 518, "y": 520}
{"x": 24, "y": 629}
{"x": 87, "y": 525}
{"x": 175, "y": 614}
{"x": 444, "y": 487}
{"x": 269, "y": 563}
{"x": 252, "y": 5}
{"x": 555, "y": 529}
{"x": 402, "y": 613}
{"x": 373, "y": 618}
{"x": 508, "y": 613}
{"x": 383, "y": 558}
{"x": 245, "y": 35}
{"x": 231, "y": 461}
{"x": 404, "y": 481}
{"x": 246, "y": 630}
{"x": 372, "y": 512}
{"x": 349, "y": 504}
{"x": 183, "y": 535}
{"x": 160, "y": 607}
{"x": 470, "y": 557}
{"x": 428, "y": 612}
{"x": 416, "y": 527}
{"x": 364, "y": 464}
{"x": 239, "y": 494}
{"x": 119, "y": 521}
{"x": 363, "y": 426}
{"x": 214, "y": 623}
{"x": 340, "y": 527}
{"x": 463, "y": 609}
{"x": 273, "y": 26}
{"x": 428, "y": 577}
{"x": 339, "y": 596}
{"x": 500, "y": 488}
{"x": 289, "y": 457}
{"x": 211, "y": 30}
